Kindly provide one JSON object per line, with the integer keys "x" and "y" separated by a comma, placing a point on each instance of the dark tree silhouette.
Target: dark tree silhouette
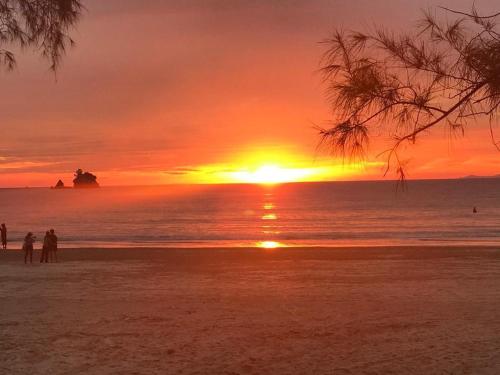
{"x": 40, "y": 24}
{"x": 446, "y": 72}
{"x": 84, "y": 180}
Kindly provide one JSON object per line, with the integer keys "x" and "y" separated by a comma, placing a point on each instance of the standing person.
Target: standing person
{"x": 45, "y": 248}
{"x": 3, "y": 230}
{"x": 28, "y": 247}
{"x": 53, "y": 245}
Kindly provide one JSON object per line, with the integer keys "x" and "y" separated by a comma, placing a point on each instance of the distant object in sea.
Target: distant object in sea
{"x": 475, "y": 177}
{"x": 59, "y": 185}
{"x": 474, "y": 210}
{"x": 85, "y": 180}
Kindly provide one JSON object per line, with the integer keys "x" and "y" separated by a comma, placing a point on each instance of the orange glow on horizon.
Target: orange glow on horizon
{"x": 272, "y": 174}
{"x": 252, "y": 172}
{"x": 253, "y": 166}
{"x": 276, "y": 166}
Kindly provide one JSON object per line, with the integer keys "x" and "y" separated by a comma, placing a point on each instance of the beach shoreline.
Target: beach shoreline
{"x": 409, "y": 310}
{"x": 309, "y": 252}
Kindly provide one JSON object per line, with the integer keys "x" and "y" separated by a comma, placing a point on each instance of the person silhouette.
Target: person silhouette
{"x": 28, "y": 247}
{"x": 45, "y": 248}
{"x": 3, "y": 230}
{"x": 53, "y": 245}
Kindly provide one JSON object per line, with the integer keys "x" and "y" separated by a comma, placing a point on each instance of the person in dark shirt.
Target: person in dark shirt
{"x": 53, "y": 246}
{"x": 45, "y": 248}
{"x": 3, "y": 230}
{"x": 28, "y": 247}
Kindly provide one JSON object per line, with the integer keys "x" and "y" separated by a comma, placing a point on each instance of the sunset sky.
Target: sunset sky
{"x": 203, "y": 91}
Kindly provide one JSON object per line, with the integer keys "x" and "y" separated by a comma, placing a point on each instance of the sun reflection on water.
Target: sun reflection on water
{"x": 270, "y": 244}
{"x": 269, "y": 217}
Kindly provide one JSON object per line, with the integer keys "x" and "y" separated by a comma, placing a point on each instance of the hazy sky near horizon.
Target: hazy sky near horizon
{"x": 155, "y": 91}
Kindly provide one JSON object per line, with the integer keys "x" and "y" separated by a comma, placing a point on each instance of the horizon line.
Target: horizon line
{"x": 467, "y": 177}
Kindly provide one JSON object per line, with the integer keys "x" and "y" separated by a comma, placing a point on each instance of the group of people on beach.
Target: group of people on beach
{"x": 49, "y": 247}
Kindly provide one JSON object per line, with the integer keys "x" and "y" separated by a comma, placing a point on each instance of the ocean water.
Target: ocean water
{"x": 304, "y": 214}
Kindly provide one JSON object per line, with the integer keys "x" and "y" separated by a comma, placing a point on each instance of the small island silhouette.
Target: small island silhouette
{"x": 82, "y": 180}
{"x": 85, "y": 180}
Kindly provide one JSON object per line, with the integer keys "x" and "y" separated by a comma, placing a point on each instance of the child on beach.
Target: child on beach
{"x": 28, "y": 247}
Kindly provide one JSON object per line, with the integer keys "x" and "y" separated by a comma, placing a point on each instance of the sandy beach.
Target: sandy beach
{"x": 252, "y": 311}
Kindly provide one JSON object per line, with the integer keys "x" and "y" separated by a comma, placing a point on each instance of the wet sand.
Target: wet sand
{"x": 252, "y": 311}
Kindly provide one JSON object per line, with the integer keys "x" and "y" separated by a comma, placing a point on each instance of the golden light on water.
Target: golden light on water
{"x": 269, "y": 217}
{"x": 270, "y": 229}
{"x": 270, "y": 244}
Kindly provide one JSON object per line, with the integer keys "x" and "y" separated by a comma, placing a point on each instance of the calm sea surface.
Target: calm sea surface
{"x": 333, "y": 213}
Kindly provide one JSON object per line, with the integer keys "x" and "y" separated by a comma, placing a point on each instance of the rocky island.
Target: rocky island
{"x": 85, "y": 180}
{"x": 59, "y": 185}
{"x": 82, "y": 180}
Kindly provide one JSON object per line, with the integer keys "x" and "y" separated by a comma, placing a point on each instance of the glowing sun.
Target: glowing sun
{"x": 272, "y": 174}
